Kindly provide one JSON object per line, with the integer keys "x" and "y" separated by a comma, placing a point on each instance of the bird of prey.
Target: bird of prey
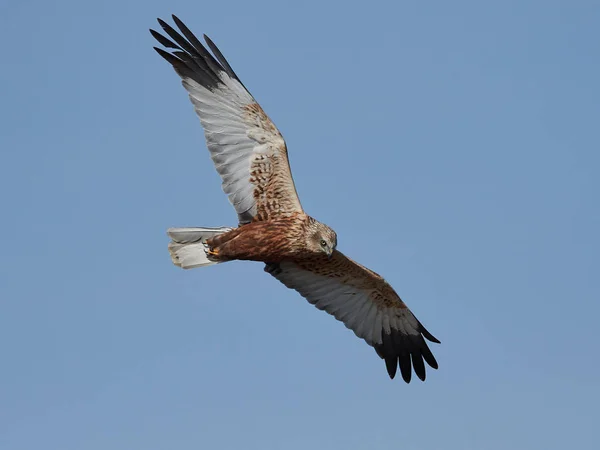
{"x": 251, "y": 157}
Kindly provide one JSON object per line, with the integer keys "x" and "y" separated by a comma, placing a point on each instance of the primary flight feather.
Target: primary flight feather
{"x": 250, "y": 155}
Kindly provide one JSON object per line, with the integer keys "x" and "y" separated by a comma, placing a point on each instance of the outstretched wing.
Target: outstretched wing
{"x": 366, "y": 304}
{"x": 246, "y": 147}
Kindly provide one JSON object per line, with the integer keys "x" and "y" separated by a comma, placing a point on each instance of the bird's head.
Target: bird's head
{"x": 323, "y": 239}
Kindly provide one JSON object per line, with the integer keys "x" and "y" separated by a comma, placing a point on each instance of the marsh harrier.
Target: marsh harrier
{"x": 250, "y": 155}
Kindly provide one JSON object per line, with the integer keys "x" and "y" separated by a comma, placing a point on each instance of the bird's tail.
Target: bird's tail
{"x": 188, "y": 247}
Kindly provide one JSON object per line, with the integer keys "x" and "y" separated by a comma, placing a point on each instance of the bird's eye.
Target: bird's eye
{"x": 323, "y": 243}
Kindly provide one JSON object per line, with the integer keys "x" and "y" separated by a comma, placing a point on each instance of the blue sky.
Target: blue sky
{"x": 453, "y": 146}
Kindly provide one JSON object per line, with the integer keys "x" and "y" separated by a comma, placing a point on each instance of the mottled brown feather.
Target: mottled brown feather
{"x": 274, "y": 193}
{"x": 267, "y": 241}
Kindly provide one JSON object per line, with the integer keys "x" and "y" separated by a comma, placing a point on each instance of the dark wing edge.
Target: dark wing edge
{"x": 190, "y": 58}
{"x": 407, "y": 351}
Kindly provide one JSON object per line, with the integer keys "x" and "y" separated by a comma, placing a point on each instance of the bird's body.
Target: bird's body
{"x": 250, "y": 155}
{"x": 295, "y": 237}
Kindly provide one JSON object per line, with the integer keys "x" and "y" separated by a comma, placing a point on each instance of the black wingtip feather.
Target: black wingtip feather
{"x": 419, "y": 366}
{"x": 221, "y": 59}
{"x": 163, "y": 40}
{"x": 430, "y": 337}
{"x": 391, "y": 365}
{"x": 405, "y": 366}
{"x": 168, "y": 56}
{"x": 428, "y": 356}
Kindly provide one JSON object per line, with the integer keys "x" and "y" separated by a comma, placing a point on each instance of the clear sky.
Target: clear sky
{"x": 453, "y": 146}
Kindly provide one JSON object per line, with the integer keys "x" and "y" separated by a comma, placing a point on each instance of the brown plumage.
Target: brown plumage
{"x": 294, "y": 237}
{"x": 250, "y": 155}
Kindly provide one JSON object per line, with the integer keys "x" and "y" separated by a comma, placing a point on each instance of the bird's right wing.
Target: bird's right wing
{"x": 245, "y": 145}
{"x": 366, "y": 304}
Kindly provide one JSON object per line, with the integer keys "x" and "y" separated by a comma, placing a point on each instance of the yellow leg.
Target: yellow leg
{"x": 213, "y": 252}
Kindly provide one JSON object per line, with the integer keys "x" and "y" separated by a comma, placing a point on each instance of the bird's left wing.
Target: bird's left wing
{"x": 246, "y": 147}
{"x": 366, "y": 304}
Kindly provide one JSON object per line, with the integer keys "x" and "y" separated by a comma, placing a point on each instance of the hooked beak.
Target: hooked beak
{"x": 329, "y": 252}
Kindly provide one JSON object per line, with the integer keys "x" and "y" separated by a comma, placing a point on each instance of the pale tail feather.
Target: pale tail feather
{"x": 188, "y": 246}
